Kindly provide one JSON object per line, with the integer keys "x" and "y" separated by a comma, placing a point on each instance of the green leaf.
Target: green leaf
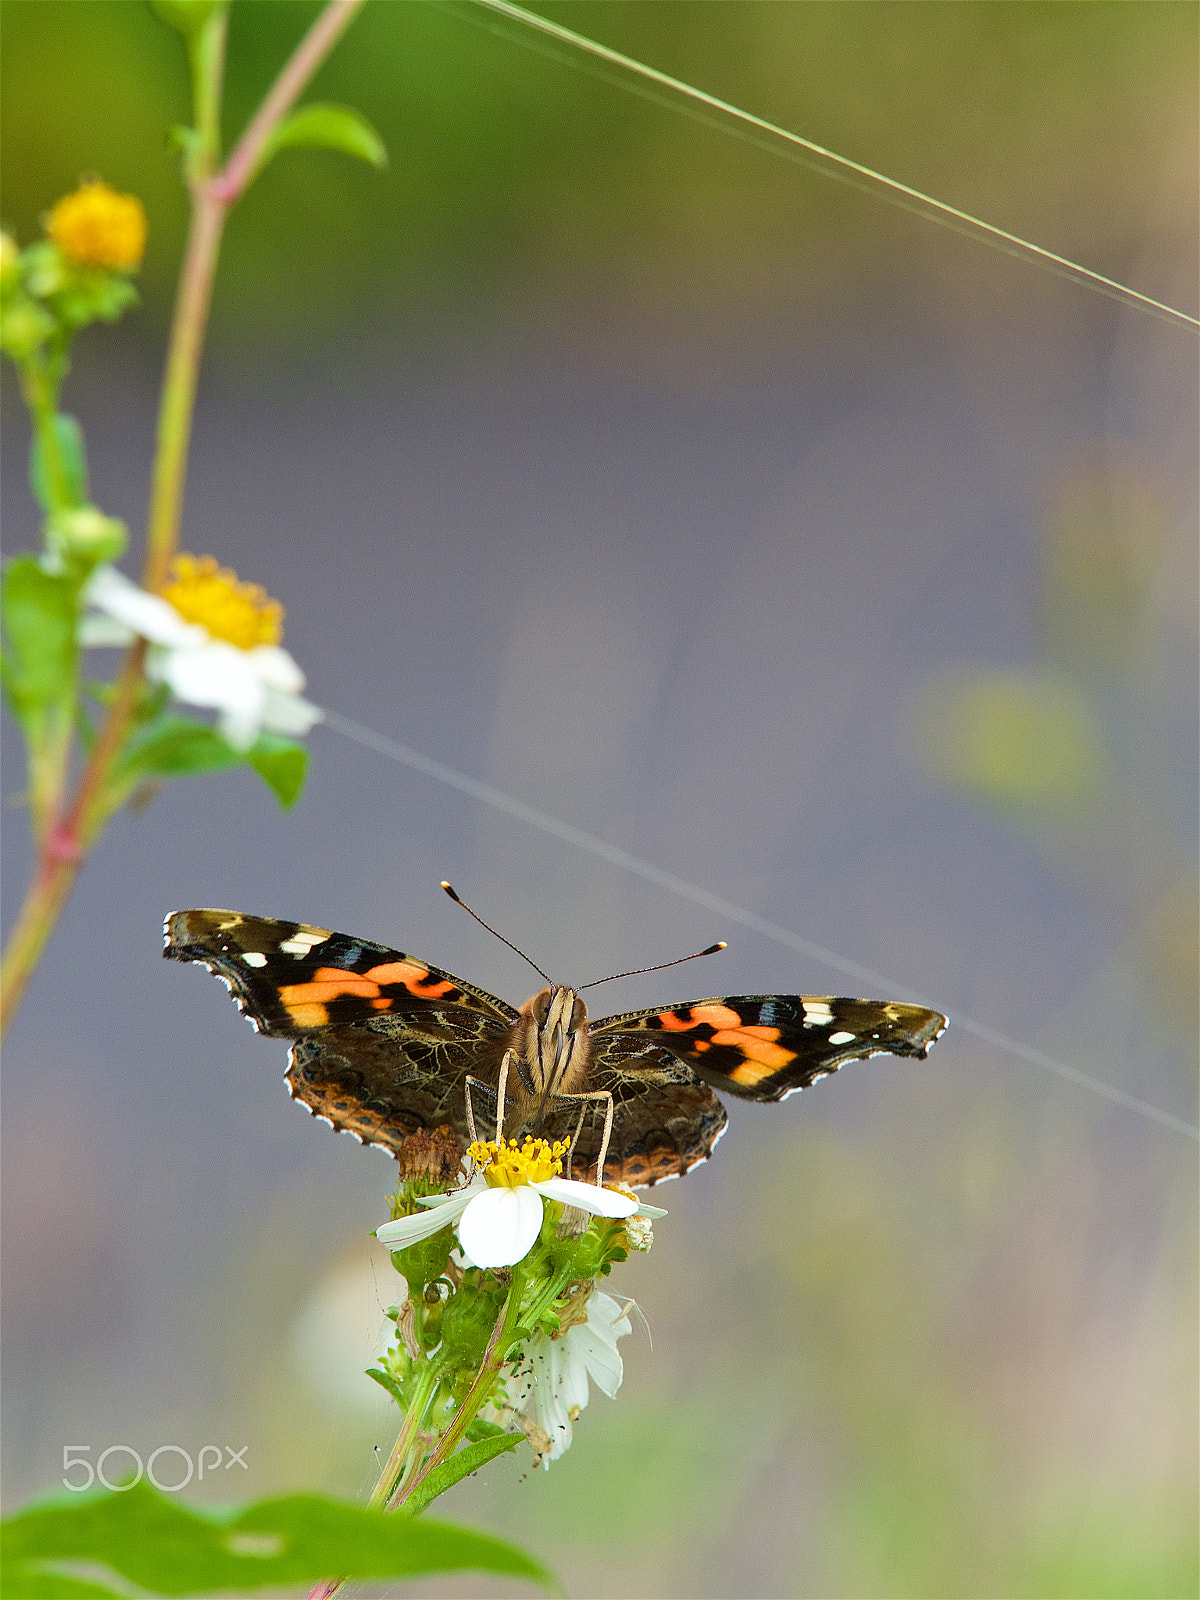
{"x": 39, "y": 610}
{"x": 468, "y": 1460}
{"x": 169, "y": 1548}
{"x": 53, "y": 1585}
{"x": 68, "y": 436}
{"x": 386, "y": 1381}
{"x": 281, "y": 764}
{"x": 174, "y": 747}
{"x": 327, "y": 128}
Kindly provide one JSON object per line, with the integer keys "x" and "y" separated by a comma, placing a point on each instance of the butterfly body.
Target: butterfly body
{"x": 385, "y": 1044}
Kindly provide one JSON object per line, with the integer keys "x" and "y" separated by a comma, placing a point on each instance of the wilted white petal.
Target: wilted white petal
{"x": 549, "y": 1408}
{"x": 148, "y": 615}
{"x": 572, "y": 1372}
{"x": 644, "y": 1210}
{"x": 594, "y": 1343}
{"x": 499, "y": 1226}
{"x": 587, "y": 1196}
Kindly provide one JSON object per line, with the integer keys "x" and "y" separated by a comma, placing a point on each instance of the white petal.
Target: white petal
{"x": 573, "y": 1372}
{"x": 408, "y": 1230}
{"x": 587, "y": 1196}
{"x": 600, "y": 1358}
{"x": 288, "y": 713}
{"x": 275, "y": 668}
{"x": 97, "y": 632}
{"x": 499, "y": 1227}
{"x": 239, "y": 728}
{"x": 213, "y": 673}
{"x": 149, "y": 615}
{"x": 456, "y": 1197}
{"x": 548, "y": 1408}
{"x": 650, "y": 1211}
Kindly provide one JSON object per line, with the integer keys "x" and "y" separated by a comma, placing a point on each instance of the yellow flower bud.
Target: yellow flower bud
{"x": 97, "y": 227}
{"x": 10, "y": 259}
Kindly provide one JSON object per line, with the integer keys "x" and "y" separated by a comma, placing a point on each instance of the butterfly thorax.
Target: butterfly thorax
{"x": 549, "y": 1041}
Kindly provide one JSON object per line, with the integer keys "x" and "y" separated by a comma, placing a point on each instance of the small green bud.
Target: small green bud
{"x": 87, "y": 536}
{"x": 46, "y": 272}
{"x": 24, "y": 326}
{"x": 188, "y": 16}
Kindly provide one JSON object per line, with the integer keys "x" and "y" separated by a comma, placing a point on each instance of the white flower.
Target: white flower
{"x": 548, "y": 1388}
{"x": 250, "y": 688}
{"x": 498, "y": 1225}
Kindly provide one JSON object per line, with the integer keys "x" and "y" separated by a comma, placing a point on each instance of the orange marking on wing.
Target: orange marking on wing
{"x": 756, "y": 1044}
{"x": 750, "y": 1073}
{"x": 396, "y": 972}
{"x": 699, "y": 1017}
{"x": 308, "y": 1013}
{"x": 381, "y": 1002}
{"x": 412, "y": 977}
{"x": 327, "y": 984}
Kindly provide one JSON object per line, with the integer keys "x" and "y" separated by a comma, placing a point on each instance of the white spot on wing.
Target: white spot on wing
{"x": 817, "y": 1014}
{"x": 840, "y": 1038}
{"x": 254, "y": 958}
{"x": 303, "y": 940}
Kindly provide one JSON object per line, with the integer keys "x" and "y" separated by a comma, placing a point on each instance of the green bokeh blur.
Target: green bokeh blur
{"x": 1039, "y": 117}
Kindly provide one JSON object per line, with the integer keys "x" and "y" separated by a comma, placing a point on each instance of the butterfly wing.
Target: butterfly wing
{"x": 665, "y": 1120}
{"x": 384, "y": 1041}
{"x": 767, "y": 1046}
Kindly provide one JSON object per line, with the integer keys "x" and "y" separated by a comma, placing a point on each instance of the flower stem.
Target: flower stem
{"x": 179, "y": 384}
{"x": 65, "y": 843}
{"x": 384, "y": 1493}
{"x": 394, "y": 1466}
{"x": 493, "y": 1360}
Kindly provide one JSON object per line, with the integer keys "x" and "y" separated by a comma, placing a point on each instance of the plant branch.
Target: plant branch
{"x": 66, "y": 842}
{"x": 283, "y": 94}
{"x": 492, "y": 1363}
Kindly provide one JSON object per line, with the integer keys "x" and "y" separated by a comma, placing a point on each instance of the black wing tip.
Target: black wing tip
{"x": 939, "y": 1024}
{"x": 184, "y": 932}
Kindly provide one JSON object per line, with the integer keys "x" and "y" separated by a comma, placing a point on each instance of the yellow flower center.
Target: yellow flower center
{"x": 507, "y": 1165}
{"x": 97, "y": 227}
{"x": 241, "y": 613}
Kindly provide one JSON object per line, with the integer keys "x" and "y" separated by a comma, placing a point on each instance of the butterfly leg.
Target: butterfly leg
{"x": 508, "y": 1056}
{"x": 488, "y": 1090}
{"x": 470, "y": 1108}
{"x": 593, "y": 1094}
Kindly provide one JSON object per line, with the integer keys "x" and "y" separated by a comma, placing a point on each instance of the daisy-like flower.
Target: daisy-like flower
{"x": 97, "y": 227}
{"x": 549, "y": 1386}
{"x": 498, "y": 1215}
{"x": 214, "y": 642}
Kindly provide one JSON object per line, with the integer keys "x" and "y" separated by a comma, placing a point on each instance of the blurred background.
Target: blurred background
{"x": 823, "y": 558}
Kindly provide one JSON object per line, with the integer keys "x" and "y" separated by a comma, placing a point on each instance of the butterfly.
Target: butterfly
{"x": 386, "y": 1046}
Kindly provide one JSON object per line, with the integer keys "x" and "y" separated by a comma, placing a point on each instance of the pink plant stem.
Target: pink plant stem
{"x": 283, "y": 94}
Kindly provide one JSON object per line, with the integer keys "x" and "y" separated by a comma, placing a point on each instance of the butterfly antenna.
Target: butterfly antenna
{"x": 459, "y": 901}
{"x": 696, "y": 954}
